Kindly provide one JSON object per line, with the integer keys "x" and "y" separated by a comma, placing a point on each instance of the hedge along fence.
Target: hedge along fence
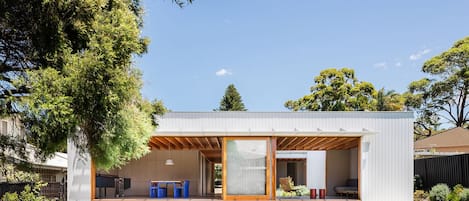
{"x": 52, "y": 190}
{"x": 451, "y": 170}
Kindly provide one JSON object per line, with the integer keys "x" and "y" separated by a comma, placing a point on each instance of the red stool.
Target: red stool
{"x": 322, "y": 193}
{"x": 312, "y": 193}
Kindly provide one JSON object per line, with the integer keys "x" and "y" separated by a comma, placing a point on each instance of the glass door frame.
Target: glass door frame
{"x": 270, "y": 170}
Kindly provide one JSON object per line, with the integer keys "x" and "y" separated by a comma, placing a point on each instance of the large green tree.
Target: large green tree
{"x": 442, "y": 96}
{"x": 67, "y": 73}
{"x": 336, "y": 90}
{"x": 231, "y": 101}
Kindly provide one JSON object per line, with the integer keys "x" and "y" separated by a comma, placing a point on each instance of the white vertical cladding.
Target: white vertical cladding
{"x": 387, "y": 161}
{"x": 316, "y": 172}
{"x": 78, "y": 174}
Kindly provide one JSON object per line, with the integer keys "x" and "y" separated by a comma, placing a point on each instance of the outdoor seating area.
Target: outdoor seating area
{"x": 159, "y": 189}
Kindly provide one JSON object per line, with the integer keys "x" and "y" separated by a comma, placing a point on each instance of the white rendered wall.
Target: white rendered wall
{"x": 78, "y": 175}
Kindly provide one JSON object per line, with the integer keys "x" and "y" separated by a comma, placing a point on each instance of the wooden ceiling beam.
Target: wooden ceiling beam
{"x": 314, "y": 144}
{"x": 173, "y": 141}
{"x": 218, "y": 142}
{"x": 200, "y": 143}
{"x": 343, "y": 143}
{"x": 208, "y": 142}
{"x": 152, "y": 144}
{"x": 159, "y": 144}
{"x": 295, "y": 146}
{"x": 352, "y": 144}
{"x": 325, "y": 145}
{"x": 281, "y": 140}
{"x": 166, "y": 142}
{"x": 288, "y": 143}
{"x": 190, "y": 142}
{"x": 308, "y": 142}
{"x": 338, "y": 144}
{"x": 184, "y": 145}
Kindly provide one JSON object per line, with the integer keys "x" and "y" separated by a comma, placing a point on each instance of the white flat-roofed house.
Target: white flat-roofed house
{"x": 321, "y": 150}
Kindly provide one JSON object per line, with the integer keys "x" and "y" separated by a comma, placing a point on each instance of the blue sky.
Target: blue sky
{"x": 271, "y": 50}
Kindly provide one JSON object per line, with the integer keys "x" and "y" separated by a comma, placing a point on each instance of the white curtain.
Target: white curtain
{"x": 246, "y": 167}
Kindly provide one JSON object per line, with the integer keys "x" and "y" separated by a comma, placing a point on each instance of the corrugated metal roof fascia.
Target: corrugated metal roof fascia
{"x": 328, "y": 114}
{"x": 244, "y": 133}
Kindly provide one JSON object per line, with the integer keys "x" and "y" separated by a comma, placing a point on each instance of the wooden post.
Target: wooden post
{"x": 274, "y": 168}
{"x": 93, "y": 180}
{"x": 359, "y": 158}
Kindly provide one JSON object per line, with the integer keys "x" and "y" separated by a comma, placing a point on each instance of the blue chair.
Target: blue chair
{"x": 184, "y": 189}
{"x": 161, "y": 191}
{"x": 153, "y": 190}
{"x": 176, "y": 191}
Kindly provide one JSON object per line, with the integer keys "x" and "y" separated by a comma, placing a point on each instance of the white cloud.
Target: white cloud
{"x": 223, "y": 72}
{"x": 398, "y": 64}
{"x": 419, "y": 54}
{"x": 381, "y": 65}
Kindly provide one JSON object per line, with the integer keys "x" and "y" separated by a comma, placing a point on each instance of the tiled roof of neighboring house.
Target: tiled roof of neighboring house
{"x": 273, "y": 123}
{"x": 452, "y": 138}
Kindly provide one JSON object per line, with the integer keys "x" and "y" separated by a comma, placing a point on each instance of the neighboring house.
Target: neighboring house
{"x": 319, "y": 149}
{"x": 53, "y": 170}
{"x": 450, "y": 142}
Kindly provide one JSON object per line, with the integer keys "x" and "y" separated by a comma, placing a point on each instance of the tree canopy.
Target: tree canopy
{"x": 231, "y": 101}
{"x": 67, "y": 73}
{"x": 442, "y": 96}
{"x": 340, "y": 90}
{"x": 336, "y": 90}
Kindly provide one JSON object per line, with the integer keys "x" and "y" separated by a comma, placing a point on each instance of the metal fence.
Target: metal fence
{"x": 450, "y": 170}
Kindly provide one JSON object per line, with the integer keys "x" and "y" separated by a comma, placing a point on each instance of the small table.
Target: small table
{"x": 165, "y": 182}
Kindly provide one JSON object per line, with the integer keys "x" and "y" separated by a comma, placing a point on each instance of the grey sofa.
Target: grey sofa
{"x": 351, "y": 187}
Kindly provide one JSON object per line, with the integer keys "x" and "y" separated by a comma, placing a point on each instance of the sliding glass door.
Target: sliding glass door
{"x": 247, "y": 167}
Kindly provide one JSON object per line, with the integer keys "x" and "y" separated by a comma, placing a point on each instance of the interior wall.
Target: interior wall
{"x": 353, "y": 163}
{"x": 152, "y": 167}
{"x": 301, "y": 173}
{"x": 337, "y": 169}
{"x": 316, "y": 172}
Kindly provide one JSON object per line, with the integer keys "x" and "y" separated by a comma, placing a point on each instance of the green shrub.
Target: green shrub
{"x": 301, "y": 190}
{"x": 455, "y": 195}
{"x": 465, "y": 195}
{"x": 439, "y": 192}
{"x": 10, "y": 197}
